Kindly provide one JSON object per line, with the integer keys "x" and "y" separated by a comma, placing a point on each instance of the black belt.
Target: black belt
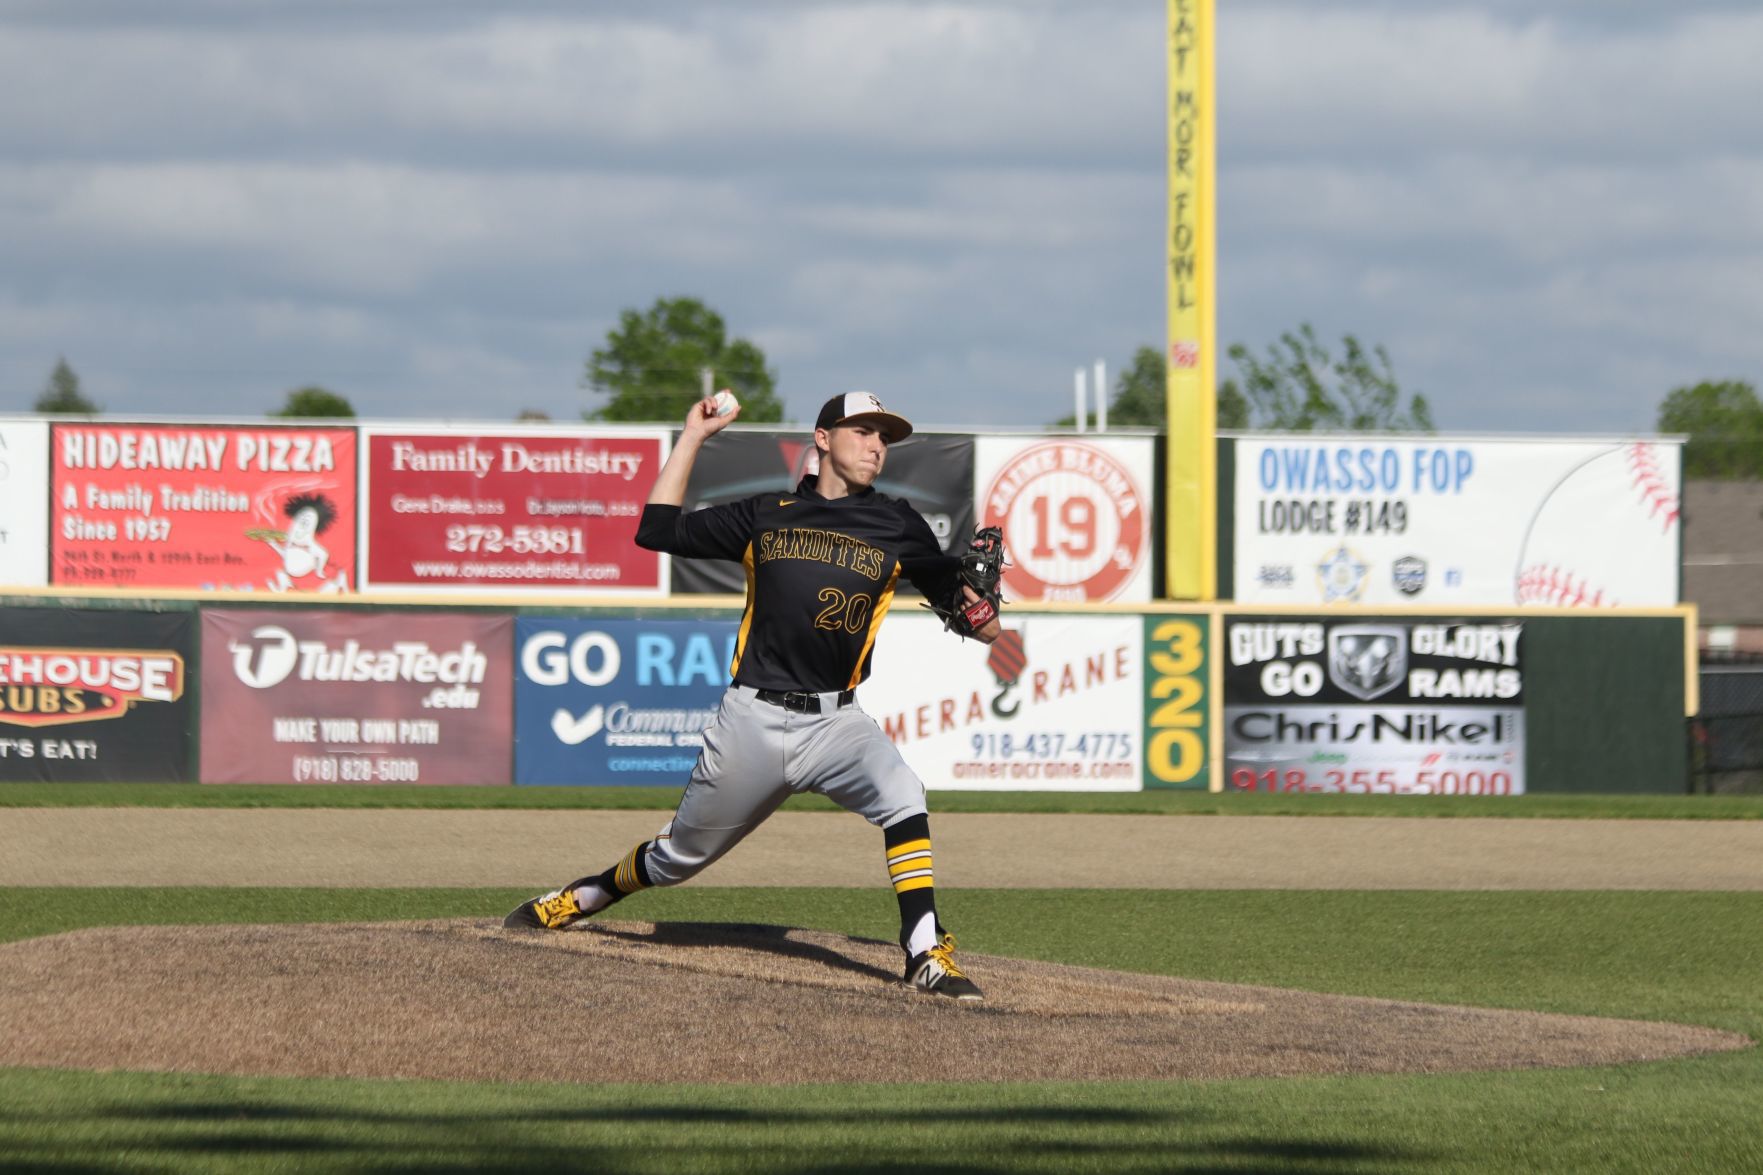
{"x": 805, "y": 702}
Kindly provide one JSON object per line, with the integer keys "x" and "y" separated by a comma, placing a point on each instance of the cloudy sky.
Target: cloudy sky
{"x": 1550, "y": 213}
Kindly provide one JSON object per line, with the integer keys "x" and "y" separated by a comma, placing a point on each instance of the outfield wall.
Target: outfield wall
{"x": 215, "y": 688}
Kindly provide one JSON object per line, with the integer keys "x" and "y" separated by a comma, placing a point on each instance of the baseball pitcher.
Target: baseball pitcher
{"x": 822, "y": 562}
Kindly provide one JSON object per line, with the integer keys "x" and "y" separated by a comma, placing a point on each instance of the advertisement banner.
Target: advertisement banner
{"x": 1076, "y": 515}
{"x": 24, "y": 503}
{"x": 616, "y": 701}
{"x": 211, "y": 507}
{"x": 1376, "y": 520}
{"x": 1053, "y": 705}
{"x": 89, "y": 696}
{"x": 1374, "y": 706}
{"x": 294, "y": 696}
{"x": 1177, "y": 672}
{"x": 447, "y": 510}
{"x": 933, "y": 471}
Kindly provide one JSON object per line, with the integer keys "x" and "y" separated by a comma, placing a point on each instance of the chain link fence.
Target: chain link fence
{"x": 1726, "y": 736}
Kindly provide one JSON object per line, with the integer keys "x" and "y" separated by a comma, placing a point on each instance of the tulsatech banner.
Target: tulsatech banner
{"x": 1436, "y": 521}
{"x": 616, "y": 701}
{"x": 216, "y": 508}
{"x": 933, "y": 471}
{"x": 95, "y": 695}
{"x": 517, "y": 508}
{"x": 291, "y": 696}
{"x": 1075, "y": 512}
{"x": 24, "y": 502}
{"x": 1053, "y": 705}
{"x": 1374, "y": 706}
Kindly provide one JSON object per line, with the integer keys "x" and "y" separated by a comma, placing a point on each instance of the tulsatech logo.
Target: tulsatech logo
{"x": 273, "y": 654}
{"x": 54, "y": 686}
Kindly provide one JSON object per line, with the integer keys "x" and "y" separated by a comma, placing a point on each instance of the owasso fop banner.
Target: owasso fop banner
{"x": 616, "y": 701}
{"x": 1373, "y": 706}
{"x": 1371, "y": 520}
{"x": 1075, "y": 512}
{"x": 293, "y": 696}
{"x": 95, "y": 695}
{"x": 933, "y": 471}
{"x": 262, "y": 508}
{"x": 24, "y": 503}
{"x": 1053, "y": 705}
{"x": 452, "y": 510}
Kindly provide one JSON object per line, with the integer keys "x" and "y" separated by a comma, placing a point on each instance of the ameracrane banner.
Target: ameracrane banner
{"x": 356, "y": 697}
{"x": 933, "y": 471}
{"x": 514, "y": 509}
{"x": 1055, "y": 704}
{"x": 24, "y": 503}
{"x": 1374, "y": 706}
{"x": 1452, "y": 523}
{"x": 215, "y": 508}
{"x": 89, "y": 696}
{"x": 616, "y": 701}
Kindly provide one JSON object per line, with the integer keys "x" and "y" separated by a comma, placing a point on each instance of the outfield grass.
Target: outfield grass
{"x": 1678, "y": 956}
{"x": 1174, "y": 803}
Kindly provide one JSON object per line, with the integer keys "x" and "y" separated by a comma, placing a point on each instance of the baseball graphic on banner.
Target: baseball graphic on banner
{"x": 1075, "y": 515}
{"x": 1567, "y": 559}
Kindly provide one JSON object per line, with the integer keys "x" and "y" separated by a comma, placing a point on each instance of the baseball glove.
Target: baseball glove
{"x": 982, "y": 569}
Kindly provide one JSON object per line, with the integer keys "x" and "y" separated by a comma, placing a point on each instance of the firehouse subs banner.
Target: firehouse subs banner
{"x": 1374, "y": 706}
{"x": 1076, "y": 515}
{"x": 24, "y": 503}
{"x": 95, "y": 695}
{"x": 452, "y": 510}
{"x": 616, "y": 701}
{"x": 1053, "y": 705}
{"x": 933, "y": 471}
{"x": 259, "y": 508}
{"x": 1376, "y": 520}
{"x": 294, "y": 696}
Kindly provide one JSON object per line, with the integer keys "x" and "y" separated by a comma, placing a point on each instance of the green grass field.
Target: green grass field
{"x": 1692, "y": 957}
{"x": 1173, "y": 803}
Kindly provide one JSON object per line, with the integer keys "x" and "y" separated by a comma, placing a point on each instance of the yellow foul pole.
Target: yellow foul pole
{"x": 1191, "y": 538}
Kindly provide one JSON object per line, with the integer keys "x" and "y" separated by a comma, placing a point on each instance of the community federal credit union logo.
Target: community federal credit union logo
{"x": 56, "y": 686}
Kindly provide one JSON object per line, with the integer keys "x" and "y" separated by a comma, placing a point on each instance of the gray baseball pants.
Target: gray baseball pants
{"x": 757, "y": 754}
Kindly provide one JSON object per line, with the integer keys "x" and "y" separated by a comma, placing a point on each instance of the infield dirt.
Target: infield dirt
{"x": 639, "y": 1002}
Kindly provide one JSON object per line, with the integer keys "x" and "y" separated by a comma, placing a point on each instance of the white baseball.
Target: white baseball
{"x": 1607, "y": 534}
{"x": 724, "y": 402}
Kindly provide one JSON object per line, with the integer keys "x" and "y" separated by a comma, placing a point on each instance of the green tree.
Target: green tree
{"x": 653, "y": 361}
{"x": 1298, "y": 386}
{"x": 62, "y": 393}
{"x": 1723, "y": 420}
{"x": 313, "y": 402}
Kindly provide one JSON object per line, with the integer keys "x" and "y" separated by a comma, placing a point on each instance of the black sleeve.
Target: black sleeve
{"x": 921, "y": 557}
{"x": 715, "y": 532}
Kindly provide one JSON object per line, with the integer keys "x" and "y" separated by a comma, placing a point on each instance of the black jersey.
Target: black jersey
{"x": 820, "y": 576}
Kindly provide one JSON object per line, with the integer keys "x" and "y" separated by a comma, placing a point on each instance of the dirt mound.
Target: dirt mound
{"x": 463, "y": 999}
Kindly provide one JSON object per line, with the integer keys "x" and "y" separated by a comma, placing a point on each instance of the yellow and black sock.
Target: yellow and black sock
{"x": 909, "y": 868}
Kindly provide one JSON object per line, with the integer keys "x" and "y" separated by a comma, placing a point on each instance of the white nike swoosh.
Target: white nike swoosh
{"x": 571, "y": 730}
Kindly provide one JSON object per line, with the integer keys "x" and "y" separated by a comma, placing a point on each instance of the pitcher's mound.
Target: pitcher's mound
{"x": 464, "y": 999}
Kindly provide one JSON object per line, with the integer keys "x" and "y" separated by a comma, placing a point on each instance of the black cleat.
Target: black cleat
{"x": 934, "y": 972}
